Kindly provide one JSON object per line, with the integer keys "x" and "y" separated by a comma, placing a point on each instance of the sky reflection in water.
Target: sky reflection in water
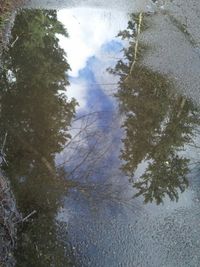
{"x": 90, "y": 84}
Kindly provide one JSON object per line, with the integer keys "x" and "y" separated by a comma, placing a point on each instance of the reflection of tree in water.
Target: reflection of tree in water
{"x": 158, "y": 123}
{"x": 36, "y": 115}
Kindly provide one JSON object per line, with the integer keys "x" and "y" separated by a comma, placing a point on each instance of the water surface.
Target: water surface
{"x": 102, "y": 122}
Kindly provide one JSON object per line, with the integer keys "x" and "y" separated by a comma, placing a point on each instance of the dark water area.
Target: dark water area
{"x": 101, "y": 118}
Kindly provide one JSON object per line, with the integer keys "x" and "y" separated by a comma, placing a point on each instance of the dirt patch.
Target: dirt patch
{"x": 7, "y": 7}
{"x": 9, "y": 217}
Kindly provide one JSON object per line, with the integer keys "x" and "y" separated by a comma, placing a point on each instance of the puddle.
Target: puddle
{"x": 100, "y": 108}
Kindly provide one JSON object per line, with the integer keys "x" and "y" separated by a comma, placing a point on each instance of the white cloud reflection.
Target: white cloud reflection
{"x": 88, "y": 30}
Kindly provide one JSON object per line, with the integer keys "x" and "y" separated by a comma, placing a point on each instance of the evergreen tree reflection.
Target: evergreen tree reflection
{"x": 158, "y": 123}
{"x": 36, "y": 114}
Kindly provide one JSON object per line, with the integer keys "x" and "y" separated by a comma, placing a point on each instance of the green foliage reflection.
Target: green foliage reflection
{"x": 36, "y": 115}
{"x": 158, "y": 123}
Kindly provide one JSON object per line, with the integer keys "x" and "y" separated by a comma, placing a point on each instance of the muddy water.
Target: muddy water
{"x": 100, "y": 105}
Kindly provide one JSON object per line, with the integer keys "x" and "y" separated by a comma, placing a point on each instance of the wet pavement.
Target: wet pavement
{"x": 100, "y": 103}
